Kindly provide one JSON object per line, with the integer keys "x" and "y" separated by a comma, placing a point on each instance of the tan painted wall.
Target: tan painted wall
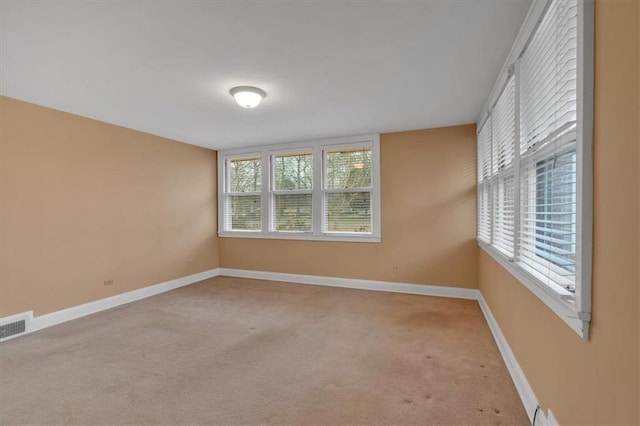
{"x": 84, "y": 201}
{"x": 594, "y": 382}
{"x": 428, "y": 220}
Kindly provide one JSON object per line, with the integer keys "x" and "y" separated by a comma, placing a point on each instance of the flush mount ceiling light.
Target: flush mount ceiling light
{"x": 247, "y": 96}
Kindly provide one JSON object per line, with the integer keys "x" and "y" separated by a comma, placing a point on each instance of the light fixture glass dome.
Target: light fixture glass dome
{"x": 247, "y": 96}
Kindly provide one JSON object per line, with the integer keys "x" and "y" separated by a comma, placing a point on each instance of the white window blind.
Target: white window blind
{"x": 534, "y": 159}
{"x": 243, "y": 192}
{"x": 548, "y": 144}
{"x": 484, "y": 182}
{"x": 503, "y": 170}
{"x": 549, "y": 70}
{"x": 347, "y": 190}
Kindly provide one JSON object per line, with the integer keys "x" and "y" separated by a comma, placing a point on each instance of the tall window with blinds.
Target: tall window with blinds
{"x": 326, "y": 190}
{"x": 535, "y": 142}
{"x": 347, "y": 190}
{"x": 243, "y": 194}
{"x": 292, "y": 192}
{"x": 548, "y": 144}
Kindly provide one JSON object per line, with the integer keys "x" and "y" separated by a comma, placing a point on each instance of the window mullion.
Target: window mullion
{"x": 266, "y": 198}
{"x": 318, "y": 195}
{"x": 292, "y": 192}
{"x": 227, "y": 187}
{"x": 347, "y": 190}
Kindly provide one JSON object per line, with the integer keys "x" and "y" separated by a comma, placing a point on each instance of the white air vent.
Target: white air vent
{"x": 14, "y": 325}
{"x": 12, "y": 329}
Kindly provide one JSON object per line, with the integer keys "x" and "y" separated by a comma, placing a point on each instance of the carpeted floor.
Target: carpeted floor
{"x": 239, "y": 351}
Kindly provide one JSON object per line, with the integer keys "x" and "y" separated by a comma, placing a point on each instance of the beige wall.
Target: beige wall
{"x": 428, "y": 220}
{"x": 594, "y": 382}
{"x": 84, "y": 201}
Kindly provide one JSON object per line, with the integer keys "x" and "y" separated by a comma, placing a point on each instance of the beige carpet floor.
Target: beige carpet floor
{"x": 239, "y": 351}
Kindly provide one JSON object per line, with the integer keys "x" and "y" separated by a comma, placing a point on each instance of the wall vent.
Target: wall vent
{"x": 13, "y": 328}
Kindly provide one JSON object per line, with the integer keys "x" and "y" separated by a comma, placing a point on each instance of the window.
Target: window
{"x": 347, "y": 190}
{"x": 243, "y": 194}
{"x": 534, "y": 160}
{"x": 292, "y": 192}
{"x": 325, "y": 190}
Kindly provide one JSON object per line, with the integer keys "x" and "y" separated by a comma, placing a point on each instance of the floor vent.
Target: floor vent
{"x": 12, "y": 328}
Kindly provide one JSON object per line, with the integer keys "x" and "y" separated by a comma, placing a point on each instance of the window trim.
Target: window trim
{"x": 317, "y": 148}
{"x": 578, "y": 313}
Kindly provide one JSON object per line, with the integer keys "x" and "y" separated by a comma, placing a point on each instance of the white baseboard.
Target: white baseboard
{"x": 27, "y": 316}
{"x": 58, "y": 317}
{"x": 527, "y": 396}
{"x": 394, "y": 287}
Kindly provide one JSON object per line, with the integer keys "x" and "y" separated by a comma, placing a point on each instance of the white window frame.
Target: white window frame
{"x": 225, "y": 199}
{"x": 573, "y": 308}
{"x": 325, "y": 191}
{"x": 318, "y": 149}
{"x": 273, "y": 191}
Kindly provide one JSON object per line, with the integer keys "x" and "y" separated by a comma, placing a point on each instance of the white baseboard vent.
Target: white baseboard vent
{"x": 48, "y": 320}
{"x": 14, "y": 325}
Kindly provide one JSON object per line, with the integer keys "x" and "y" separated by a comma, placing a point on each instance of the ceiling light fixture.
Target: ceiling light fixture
{"x": 247, "y": 96}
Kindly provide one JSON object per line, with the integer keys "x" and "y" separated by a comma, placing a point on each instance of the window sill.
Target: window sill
{"x": 301, "y": 236}
{"x": 579, "y": 322}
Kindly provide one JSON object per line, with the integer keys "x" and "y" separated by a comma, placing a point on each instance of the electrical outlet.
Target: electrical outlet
{"x": 395, "y": 269}
{"x": 551, "y": 419}
{"x": 108, "y": 282}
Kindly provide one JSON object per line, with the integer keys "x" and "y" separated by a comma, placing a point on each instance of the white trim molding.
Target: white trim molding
{"x": 579, "y": 322}
{"x": 58, "y": 317}
{"x": 388, "y": 286}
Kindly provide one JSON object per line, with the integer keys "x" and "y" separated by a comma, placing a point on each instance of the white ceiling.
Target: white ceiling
{"x": 330, "y": 68}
